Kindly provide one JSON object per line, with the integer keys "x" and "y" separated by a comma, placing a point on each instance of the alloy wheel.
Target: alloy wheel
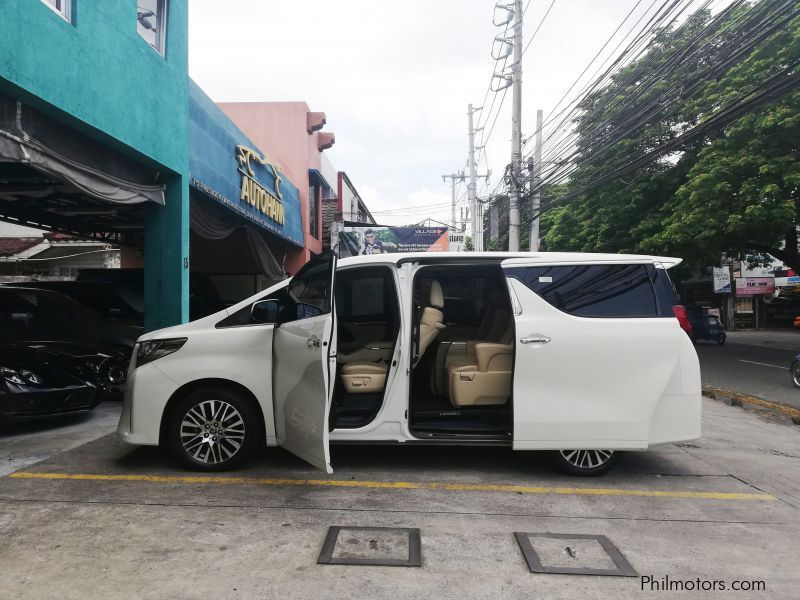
{"x": 212, "y": 432}
{"x": 586, "y": 459}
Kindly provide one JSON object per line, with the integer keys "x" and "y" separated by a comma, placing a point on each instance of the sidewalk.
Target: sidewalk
{"x": 783, "y": 339}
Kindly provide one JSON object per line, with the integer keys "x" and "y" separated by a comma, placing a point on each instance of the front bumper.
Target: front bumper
{"x": 33, "y": 404}
{"x": 146, "y": 393}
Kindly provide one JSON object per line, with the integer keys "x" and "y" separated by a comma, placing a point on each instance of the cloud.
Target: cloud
{"x": 394, "y": 79}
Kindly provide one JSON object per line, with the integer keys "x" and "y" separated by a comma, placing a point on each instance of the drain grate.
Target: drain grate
{"x": 382, "y": 546}
{"x": 573, "y": 554}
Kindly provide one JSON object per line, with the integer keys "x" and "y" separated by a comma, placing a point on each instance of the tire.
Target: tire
{"x": 721, "y": 339}
{"x": 585, "y": 463}
{"x": 795, "y": 371}
{"x": 213, "y": 429}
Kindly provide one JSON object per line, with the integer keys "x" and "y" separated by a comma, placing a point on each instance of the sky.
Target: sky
{"x": 395, "y": 79}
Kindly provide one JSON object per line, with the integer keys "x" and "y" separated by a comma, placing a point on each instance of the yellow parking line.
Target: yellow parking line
{"x": 393, "y": 485}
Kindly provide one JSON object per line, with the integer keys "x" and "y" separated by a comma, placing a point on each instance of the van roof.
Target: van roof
{"x": 520, "y": 258}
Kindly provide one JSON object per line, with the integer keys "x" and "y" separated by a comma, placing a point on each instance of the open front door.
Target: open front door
{"x": 593, "y": 353}
{"x": 304, "y": 362}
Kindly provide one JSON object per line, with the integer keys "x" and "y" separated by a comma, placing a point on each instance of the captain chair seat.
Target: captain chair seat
{"x": 487, "y": 383}
{"x": 362, "y": 378}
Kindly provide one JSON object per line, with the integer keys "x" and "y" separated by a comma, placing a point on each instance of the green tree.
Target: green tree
{"x": 732, "y": 191}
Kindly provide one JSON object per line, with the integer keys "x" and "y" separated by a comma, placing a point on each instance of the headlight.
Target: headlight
{"x": 154, "y": 349}
{"x": 20, "y": 376}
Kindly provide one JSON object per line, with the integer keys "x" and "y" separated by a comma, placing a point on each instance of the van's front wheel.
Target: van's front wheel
{"x": 586, "y": 463}
{"x": 213, "y": 429}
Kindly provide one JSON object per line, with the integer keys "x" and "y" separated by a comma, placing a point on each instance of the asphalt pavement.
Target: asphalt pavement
{"x": 754, "y": 363}
{"x": 105, "y": 520}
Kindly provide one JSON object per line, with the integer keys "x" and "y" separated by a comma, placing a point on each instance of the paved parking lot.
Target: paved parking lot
{"x": 99, "y": 519}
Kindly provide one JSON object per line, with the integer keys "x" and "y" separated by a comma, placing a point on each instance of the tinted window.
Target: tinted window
{"x": 665, "y": 293}
{"x": 593, "y": 290}
{"x": 368, "y": 298}
{"x": 310, "y": 289}
{"x": 365, "y": 292}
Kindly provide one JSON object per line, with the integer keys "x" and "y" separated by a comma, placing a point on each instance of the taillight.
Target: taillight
{"x": 683, "y": 319}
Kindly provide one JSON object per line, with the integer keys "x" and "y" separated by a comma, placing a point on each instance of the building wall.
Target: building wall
{"x": 279, "y": 128}
{"x": 97, "y": 75}
{"x": 100, "y": 75}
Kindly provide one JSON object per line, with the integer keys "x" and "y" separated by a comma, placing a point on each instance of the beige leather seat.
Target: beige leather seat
{"x": 497, "y": 326}
{"x": 361, "y": 378}
{"x": 431, "y": 322}
{"x": 364, "y": 377}
{"x": 486, "y": 383}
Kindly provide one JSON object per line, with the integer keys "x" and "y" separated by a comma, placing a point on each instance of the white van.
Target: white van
{"x": 575, "y": 353}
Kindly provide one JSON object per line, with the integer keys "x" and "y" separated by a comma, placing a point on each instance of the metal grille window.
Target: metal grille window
{"x": 61, "y": 7}
{"x": 151, "y": 23}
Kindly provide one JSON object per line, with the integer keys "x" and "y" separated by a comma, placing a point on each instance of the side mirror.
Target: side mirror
{"x": 264, "y": 311}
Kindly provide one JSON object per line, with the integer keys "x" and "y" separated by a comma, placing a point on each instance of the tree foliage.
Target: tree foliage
{"x": 733, "y": 191}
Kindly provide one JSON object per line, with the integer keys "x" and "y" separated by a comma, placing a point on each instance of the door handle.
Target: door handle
{"x": 536, "y": 338}
{"x": 313, "y": 342}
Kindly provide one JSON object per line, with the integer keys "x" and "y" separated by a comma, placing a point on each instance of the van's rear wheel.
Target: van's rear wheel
{"x": 213, "y": 429}
{"x": 586, "y": 463}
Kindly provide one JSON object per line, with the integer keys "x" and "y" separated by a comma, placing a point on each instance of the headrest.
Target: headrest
{"x": 437, "y": 295}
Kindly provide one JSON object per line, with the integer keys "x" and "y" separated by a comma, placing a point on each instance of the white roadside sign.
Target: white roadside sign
{"x": 722, "y": 280}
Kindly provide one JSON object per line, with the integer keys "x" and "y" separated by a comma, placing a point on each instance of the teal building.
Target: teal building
{"x": 96, "y": 139}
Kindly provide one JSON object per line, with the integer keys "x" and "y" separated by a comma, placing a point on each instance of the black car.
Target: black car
{"x": 37, "y": 315}
{"x": 44, "y": 379}
{"x": 104, "y": 299}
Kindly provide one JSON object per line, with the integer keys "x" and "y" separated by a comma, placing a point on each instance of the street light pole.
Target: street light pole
{"x": 453, "y": 179}
{"x": 536, "y": 198}
{"x": 472, "y": 187}
{"x": 516, "y": 132}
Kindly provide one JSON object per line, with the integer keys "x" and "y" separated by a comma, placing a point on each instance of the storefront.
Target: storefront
{"x": 245, "y": 214}
{"x": 122, "y": 148}
{"x": 94, "y": 130}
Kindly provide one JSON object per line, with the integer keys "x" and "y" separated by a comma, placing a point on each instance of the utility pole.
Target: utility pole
{"x": 472, "y": 188}
{"x": 516, "y": 132}
{"x": 453, "y": 179}
{"x": 536, "y": 178}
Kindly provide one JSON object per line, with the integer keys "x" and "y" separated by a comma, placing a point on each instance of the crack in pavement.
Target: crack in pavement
{"x": 382, "y": 510}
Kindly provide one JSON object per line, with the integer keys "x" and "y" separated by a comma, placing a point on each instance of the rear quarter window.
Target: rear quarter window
{"x": 594, "y": 290}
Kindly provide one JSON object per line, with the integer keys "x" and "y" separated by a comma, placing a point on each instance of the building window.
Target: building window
{"x": 151, "y": 23}
{"x": 313, "y": 212}
{"x": 61, "y": 7}
{"x": 744, "y": 305}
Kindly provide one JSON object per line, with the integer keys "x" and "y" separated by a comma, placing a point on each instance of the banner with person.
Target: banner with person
{"x": 372, "y": 239}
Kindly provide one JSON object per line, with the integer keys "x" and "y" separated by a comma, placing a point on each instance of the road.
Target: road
{"x": 100, "y": 519}
{"x": 754, "y": 363}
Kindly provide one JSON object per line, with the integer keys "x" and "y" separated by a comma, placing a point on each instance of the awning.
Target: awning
{"x": 29, "y": 137}
{"x": 316, "y": 178}
{"x": 212, "y": 224}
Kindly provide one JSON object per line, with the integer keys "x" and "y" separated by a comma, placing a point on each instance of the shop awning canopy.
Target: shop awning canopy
{"x": 53, "y": 176}
{"x": 315, "y": 177}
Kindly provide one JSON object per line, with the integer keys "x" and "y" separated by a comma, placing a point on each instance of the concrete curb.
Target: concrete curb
{"x": 788, "y": 414}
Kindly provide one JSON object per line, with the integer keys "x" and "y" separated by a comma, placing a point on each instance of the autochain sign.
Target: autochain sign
{"x": 228, "y": 168}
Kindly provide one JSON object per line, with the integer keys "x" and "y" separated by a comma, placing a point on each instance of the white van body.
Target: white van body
{"x": 577, "y": 382}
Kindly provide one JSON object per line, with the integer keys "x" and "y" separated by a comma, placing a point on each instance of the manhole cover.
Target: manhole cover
{"x": 385, "y": 546}
{"x": 573, "y": 554}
